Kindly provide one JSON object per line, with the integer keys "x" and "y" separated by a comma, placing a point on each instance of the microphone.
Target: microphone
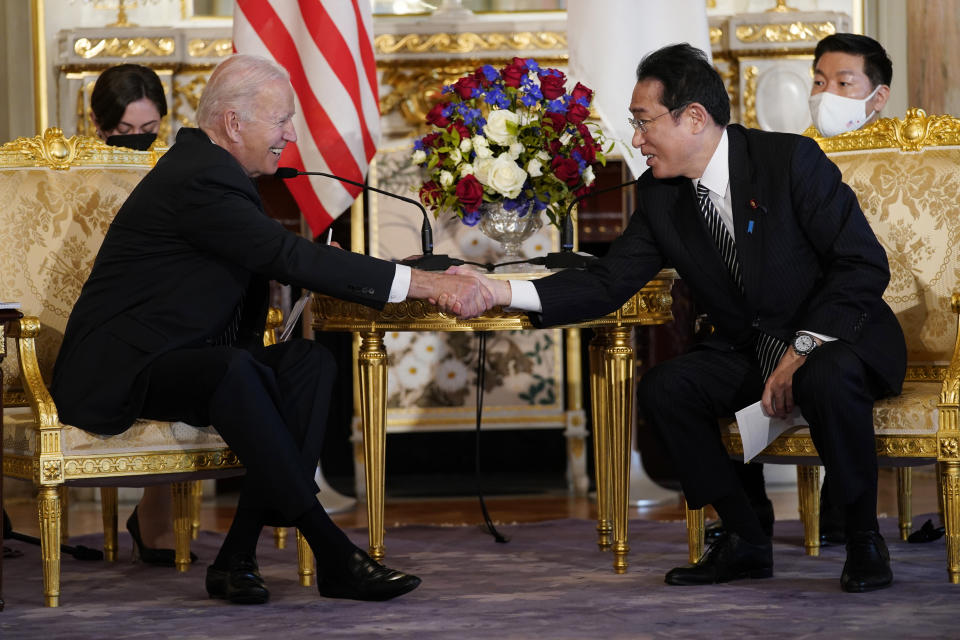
{"x": 566, "y": 258}
{"x": 428, "y": 261}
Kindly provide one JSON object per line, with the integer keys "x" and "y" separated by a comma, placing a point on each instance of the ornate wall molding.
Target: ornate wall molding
{"x": 784, "y": 33}
{"x": 461, "y": 43}
{"x": 138, "y": 47}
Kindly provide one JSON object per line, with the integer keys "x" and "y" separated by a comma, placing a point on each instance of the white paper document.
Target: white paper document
{"x": 757, "y": 429}
{"x": 9, "y": 305}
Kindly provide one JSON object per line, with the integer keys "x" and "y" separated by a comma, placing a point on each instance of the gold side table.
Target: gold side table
{"x": 612, "y": 366}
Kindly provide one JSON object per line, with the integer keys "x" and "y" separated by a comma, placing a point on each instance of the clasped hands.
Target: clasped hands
{"x": 460, "y": 291}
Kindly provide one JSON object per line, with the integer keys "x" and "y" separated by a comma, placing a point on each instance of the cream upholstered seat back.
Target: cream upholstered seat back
{"x": 906, "y": 174}
{"x": 57, "y": 198}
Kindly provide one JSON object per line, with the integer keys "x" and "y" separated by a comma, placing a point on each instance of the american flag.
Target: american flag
{"x": 327, "y": 47}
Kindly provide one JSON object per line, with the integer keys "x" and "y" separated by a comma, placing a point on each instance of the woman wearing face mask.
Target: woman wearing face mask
{"x": 851, "y": 83}
{"x": 126, "y": 107}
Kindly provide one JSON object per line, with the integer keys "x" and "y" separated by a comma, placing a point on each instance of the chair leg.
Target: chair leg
{"x": 108, "y": 511}
{"x": 949, "y": 472}
{"x": 182, "y": 523}
{"x": 808, "y": 490}
{"x": 64, "y": 514}
{"x": 48, "y": 508}
{"x": 280, "y": 537}
{"x": 939, "y": 471}
{"x": 196, "y": 502}
{"x": 905, "y": 500}
{"x": 694, "y": 533}
{"x": 304, "y": 561}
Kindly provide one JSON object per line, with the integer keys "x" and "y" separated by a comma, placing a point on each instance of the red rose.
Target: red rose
{"x": 582, "y": 191}
{"x": 584, "y": 132}
{"x": 581, "y": 91}
{"x": 555, "y": 121}
{"x": 465, "y": 86}
{"x": 435, "y": 115}
{"x": 470, "y": 192}
{"x": 587, "y": 152}
{"x": 554, "y": 147}
{"x": 577, "y": 113}
{"x": 513, "y": 74}
{"x": 461, "y": 129}
{"x": 431, "y": 194}
{"x": 566, "y": 169}
{"x": 430, "y": 139}
{"x": 552, "y": 85}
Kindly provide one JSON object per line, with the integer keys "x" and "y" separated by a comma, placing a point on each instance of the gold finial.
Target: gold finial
{"x": 781, "y": 7}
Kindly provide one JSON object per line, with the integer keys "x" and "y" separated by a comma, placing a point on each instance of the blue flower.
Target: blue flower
{"x": 471, "y": 218}
{"x": 446, "y": 111}
{"x": 580, "y": 161}
{"x": 497, "y": 98}
{"x": 538, "y": 204}
{"x": 490, "y": 73}
{"x": 532, "y": 65}
{"x": 556, "y": 106}
{"x": 418, "y": 144}
{"x": 447, "y": 88}
{"x": 529, "y": 100}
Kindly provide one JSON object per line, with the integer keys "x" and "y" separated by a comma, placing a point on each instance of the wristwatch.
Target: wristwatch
{"x": 804, "y": 344}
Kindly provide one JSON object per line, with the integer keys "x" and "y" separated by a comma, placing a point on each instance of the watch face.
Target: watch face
{"x": 803, "y": 344}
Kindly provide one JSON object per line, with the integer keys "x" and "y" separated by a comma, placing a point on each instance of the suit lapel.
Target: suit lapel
{"x": 746, "y": 200}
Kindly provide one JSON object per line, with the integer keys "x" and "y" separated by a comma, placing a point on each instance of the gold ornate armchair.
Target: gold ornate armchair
{"x": 906, "y": 174}
{"x": 58, "y": 197}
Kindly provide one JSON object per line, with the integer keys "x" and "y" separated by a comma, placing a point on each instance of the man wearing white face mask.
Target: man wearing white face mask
{"x": 851, "y": 83}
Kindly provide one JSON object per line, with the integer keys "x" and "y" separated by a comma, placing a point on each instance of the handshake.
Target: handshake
{"x": 460, "y": 291}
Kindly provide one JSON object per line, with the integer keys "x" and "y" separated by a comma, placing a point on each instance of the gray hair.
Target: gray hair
{"x": 235, "y": 85}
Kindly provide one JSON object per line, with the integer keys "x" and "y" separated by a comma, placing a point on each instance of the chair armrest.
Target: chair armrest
{"x": 272, "y": 327}
{"x": 44, "y": 409}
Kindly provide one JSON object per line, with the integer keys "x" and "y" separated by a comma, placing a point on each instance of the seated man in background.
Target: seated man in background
{"x": 169, "y": 327}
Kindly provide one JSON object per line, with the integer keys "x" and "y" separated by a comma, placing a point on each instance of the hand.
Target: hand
{"x": 462, "y": 295}
{"x": 502, "y": 293}
{"x": 777, "y": 396}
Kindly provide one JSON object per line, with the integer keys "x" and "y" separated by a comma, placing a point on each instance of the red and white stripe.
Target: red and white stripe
{"x": 327, "y": 47}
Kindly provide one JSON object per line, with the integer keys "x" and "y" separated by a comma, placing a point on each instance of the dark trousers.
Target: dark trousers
{"x": 683, "y": 398}
{"x": 269, "y": 404}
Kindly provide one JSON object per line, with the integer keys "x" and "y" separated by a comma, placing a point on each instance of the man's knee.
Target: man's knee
{"x": 658, "y": 387}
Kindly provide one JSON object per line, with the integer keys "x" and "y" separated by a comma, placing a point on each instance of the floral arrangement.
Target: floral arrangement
{"x": 512, "y": 135}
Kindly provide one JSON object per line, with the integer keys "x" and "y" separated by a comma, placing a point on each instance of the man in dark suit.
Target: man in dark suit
{"x": 169, "y": 326}
{"x": 777, "y": 251}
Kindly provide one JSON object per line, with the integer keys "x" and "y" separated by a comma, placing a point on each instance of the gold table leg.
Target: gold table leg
{"x": 617, "y": 366}
{"x": 601, "y": 443}
{"x": 695, "y": 533}
{"x": 372, "y": 364}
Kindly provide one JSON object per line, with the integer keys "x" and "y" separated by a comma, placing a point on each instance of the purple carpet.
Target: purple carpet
{"x": 549, "y": 581}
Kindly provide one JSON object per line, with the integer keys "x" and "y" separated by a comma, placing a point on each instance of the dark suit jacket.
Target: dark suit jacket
{"x": 188, "y": 243}
{"x": 810, "y": 261}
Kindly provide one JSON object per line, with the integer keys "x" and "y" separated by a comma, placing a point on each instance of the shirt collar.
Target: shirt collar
{"x": 716, "y": 177}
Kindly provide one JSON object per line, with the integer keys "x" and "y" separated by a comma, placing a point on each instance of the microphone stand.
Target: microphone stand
{"x": 428, "y": 261}
{"x": 567, "y": 258}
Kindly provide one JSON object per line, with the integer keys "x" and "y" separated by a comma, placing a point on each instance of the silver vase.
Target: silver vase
{"x": 508, "y": 228}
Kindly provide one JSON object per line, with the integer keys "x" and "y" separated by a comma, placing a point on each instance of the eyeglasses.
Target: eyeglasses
{"x": 641, "y": 125}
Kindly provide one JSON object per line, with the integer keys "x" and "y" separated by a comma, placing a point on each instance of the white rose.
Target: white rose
{"x": 501, "y": 126}
{"x": 515, "y": 150}
{"x": 446, "y": 179}
{"x": 456, "y": 156}
{"x": 588, "y": 176}
{"x": 543, "y": 156}
{"x": 565, "y": 138}
{"x": 506, "y": 177}
{"x": 481, "y": 169}
{"x": 466, "y": 145}
{"x": 481, "y": 146}
{"x": 466, "y": 169}
{"x": 418, "y": 157}
{"x": 534, "y": 167}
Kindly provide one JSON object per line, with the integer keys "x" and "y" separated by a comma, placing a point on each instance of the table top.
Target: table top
{"x": 650, "y": 305}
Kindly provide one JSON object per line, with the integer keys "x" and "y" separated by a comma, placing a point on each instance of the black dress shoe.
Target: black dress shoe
{"x": 149, "y": 555}
{"x": 365, "y": 579}
{"x": 715, "y": 530}
{"x": 927, "y": 533}
{"x": 729, "y": 558}
{"x": 239, "y": 582}
{"x": 868, "y": 563}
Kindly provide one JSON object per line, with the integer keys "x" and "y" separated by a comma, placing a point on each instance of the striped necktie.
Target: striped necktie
{"x": 769, "y": 349}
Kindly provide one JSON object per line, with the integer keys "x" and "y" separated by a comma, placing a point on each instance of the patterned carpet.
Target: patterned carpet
{"x": 549, "y": 581}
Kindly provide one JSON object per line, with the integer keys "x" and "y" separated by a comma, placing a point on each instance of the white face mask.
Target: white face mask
{"x": 833, "y": 114}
